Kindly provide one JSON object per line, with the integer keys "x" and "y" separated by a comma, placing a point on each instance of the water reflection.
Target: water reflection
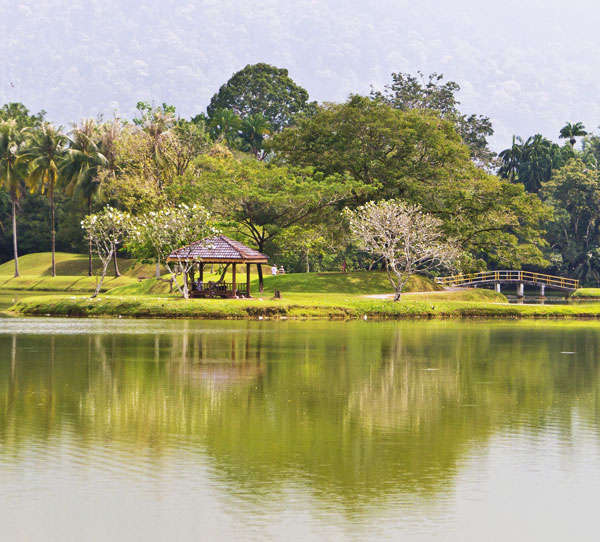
{"x": 359, "y": 414}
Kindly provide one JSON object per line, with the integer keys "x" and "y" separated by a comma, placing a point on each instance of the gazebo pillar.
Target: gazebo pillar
{"x": 248, "y": 280}
{"x": 233, "y": 284}
{"x": 201, "y": 271}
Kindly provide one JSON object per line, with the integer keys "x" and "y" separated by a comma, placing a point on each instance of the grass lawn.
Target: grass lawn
{"x": 464, "y": 304}
{"x": 586, "y": 293}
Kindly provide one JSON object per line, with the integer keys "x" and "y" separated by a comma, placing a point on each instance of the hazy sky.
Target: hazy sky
{"x": 530, "y": 65}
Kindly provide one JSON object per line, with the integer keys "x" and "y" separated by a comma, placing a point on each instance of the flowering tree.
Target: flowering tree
{"x": 158, "y": 233}
{"x": 405, "y": 237}
{"x": 106, "y": 231}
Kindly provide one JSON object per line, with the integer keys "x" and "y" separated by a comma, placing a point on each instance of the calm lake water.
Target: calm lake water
{"x": 296, "y": 431}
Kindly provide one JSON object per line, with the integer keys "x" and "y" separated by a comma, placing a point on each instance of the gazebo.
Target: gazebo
{"x": 221, "y": 250}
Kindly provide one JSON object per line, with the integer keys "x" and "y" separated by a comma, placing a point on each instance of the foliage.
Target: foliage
{"x": 571, "y": 131}
{"x": 265, "y": 90}
{"x": 253, "y": 130}
{"x": 377, "y": 145}
{"x": 260, "y": 200}
{"x": 18, "y": 113}
{"x": 406, "y": 238}
{"x": 415, "y": 156}
{"x": 415, "y": 92}
{"x": 106, "y": 231}
{"x": 533, "y": 161}
{"x": 11, "y": 175}
{"x": 573, "y": 233}
{"x": 43, "y": 153}
{"x": 158, "y": 233}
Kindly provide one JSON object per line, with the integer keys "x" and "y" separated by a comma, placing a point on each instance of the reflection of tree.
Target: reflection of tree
{"x": 352, "y": 410}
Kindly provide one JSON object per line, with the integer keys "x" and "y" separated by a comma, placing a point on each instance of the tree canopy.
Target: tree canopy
{"x": 262, "y": 89}
{"x": 408, "y": 92}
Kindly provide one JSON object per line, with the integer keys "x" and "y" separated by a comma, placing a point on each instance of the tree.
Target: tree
{"x": 20, "y": 114}
{"x": 417, "y": 157}
{"x": 408, "y": 92}
{"x": 43, "y": 153}
{"x": 571, "y": 131}
{"x": 262, "y": 89}
{"x": 80, "y": 171}
{"x": 253, "y": 130}
{"x": 393, "y": 150}
{"x": 156, "y": 123}
{"x": 260, "y": 200}
{"x": 10, "y": 176}
{"x": 224, "y": 124}
{"x": 407, "y": 239}
{"x": 156, "y": 234}
{"x": 511, "y": 159}
{"x": 573, "y": 232}
{"x": 106, "y": 231}
{"x": 533, "y": 161}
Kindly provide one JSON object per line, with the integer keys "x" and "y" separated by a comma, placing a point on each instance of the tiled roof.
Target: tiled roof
{"x": 220, "y": 248}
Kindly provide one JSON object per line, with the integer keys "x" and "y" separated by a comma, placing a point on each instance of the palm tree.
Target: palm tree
{"x": 252, "y": 131}
{"x": 511, "y": 160}
{"x": 537, "y": 163}
{"x": 10, "y": 176}
{"x": 44, "y": 151}
{"x": 571, "y": 131}
{"x": 224, "y": 124}
{"x": 80, "y": 170}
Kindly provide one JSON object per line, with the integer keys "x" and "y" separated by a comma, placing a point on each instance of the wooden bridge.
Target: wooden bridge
{"x": 520, "y": 278}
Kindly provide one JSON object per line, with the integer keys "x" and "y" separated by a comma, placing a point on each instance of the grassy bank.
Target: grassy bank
{"x": 586, "y": 293}
{"x": 62, "y": 284}
{"x": 360, "y": 282}
{"x": 464, "y": 304}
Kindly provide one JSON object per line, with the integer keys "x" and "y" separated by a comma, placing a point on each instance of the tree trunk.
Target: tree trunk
{"x": 307, "y": 262}
{"x": 157, "y": 271}
{"x": 104, "y": 268}
{"x": 53, "y": 234}
{"x": 90, "y": 247}
{"x": 14, "y": 226}
{"x": 117, "y": 273}
{"x": 261, "y": 282}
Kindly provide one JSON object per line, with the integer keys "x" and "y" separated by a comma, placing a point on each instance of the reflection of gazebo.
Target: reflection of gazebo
{"x": 222, "y": 250}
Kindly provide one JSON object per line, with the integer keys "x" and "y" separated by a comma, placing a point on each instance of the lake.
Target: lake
{"x": 296, "y": 431}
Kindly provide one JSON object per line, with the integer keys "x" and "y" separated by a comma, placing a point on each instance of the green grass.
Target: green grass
{"x": 69, "y": 265}
{"x": 62, "y": 283}
{"x": 361, "y": 282}
{"x": 300, "y": 306}
{"x": 586, "y": 293}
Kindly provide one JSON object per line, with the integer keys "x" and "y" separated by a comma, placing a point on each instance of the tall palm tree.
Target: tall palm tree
{"x": 10, "y": 176}
{"x": 80, "y": 170}
{"x": 252, "y": 132}
{"x": 571, "y": 131}
{"x": 511, "y": 159}
{"x": 537, "y": 163}
{"x": 44, "y": 151}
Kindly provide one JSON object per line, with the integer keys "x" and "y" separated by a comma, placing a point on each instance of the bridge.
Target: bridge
{"x": 520, "y": 278}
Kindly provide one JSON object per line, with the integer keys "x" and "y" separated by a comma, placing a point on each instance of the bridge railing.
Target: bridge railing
{"x": 508, "y": 276}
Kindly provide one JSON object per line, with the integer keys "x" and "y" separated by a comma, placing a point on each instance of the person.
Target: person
{"x": 274, "y": 270}
{"x": 281, "y": 270}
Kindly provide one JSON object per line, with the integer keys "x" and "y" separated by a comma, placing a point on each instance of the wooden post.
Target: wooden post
{"x": 233, "y": 285}
{"x": 248, "y": 280}
{"x": 201, "y": 267}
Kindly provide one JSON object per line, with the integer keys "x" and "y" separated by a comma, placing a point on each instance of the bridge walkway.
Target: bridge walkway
{"x": 521, "y": 278}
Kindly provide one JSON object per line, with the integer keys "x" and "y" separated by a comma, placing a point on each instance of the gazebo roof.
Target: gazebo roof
{"x": 218, "y": 249}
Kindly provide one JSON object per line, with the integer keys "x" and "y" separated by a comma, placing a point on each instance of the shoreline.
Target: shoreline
{"x": 332, "y": 307}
